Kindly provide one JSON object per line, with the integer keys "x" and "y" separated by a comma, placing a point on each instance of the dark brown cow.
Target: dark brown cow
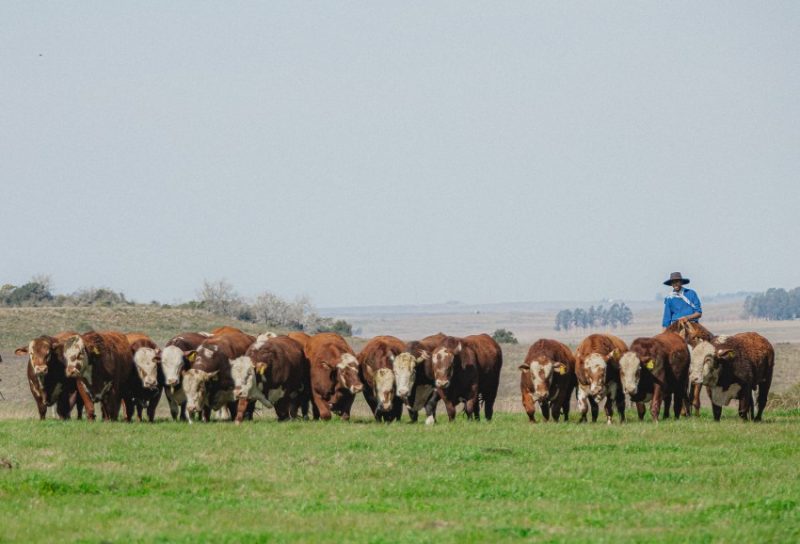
{"x": 654, "y": 370}
{"x": 376, "y": 364}
{"x": 149, "y": 378}
{"x": 733, "y": 367}
{"x": 597, "y": 372}
{"x": 413, "y": 373}
{"x": 548, "y": 377}
{"x": 468, "y": 370}
{"x": 173, "y": 364}
{"x": 208, "y": 383}
{"x": 102, "y": 363}
{"x": 334, "y": 375}
{"x": 693, "y": 333}
{"x": 47, "y": 376}
{"x": 275, "y": 372}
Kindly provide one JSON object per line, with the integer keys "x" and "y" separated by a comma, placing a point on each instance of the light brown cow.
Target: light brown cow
{"x": 102, "y": 363}
{"x": 547, "y": 377}
{"x": 597, "y": 373}
{"x": 692, "y": 333}
{"x": 334, "y": 375}
{"x": 376, "y": 364}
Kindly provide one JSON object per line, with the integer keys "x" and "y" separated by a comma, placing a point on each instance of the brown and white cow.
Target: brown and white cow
{"x": 333, "y": 375}
{"x": 547, "y": 377}
{"x": 299, "y": 336}
{"x": 733, "y": 367}
{"x": 654, "y": 370}
{"x": 47, "y": 376}
{"x": 693, "y": 333}
{"x": 227, "y": 329}
{"x": 208, "y": 383}
{"x": 102, "y": 363}
{"x": 467, "y": 370}
{"x": 173, "y": 363}
{"x": 274, "y": 371}
{"x": 148, "y": 378}
{"x": 597, "y": 371}
{"x": 376, "y": 364}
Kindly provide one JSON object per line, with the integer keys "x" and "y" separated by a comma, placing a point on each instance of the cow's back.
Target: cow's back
{"x": 488, "y": 355}
{"x": 299, "y": 337}
{"x": 187, "y": 341}
{"x": 553, "y": 350}
{"x": 378, "y": 351}
{"x": 140, "y": 340}
{"x": 756, "y": 351}
{"x": 284, "y": 357}
{"x": 326, "y": 346}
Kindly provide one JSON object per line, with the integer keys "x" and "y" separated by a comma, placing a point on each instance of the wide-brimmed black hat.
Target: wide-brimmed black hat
{"x": 676, "y": 276}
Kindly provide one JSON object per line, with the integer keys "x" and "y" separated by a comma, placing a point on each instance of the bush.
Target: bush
{"x": 340, "y": 326}
{"x": 502, "y": 336}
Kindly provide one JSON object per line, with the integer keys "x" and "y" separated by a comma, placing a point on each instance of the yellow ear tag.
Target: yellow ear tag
{"x": 262, "y": 370}
{"x": 96, "y": 350}
{"x": 192, "y": 357}
{"x": 562, "y": 370}
{"x": 650, "y": 364}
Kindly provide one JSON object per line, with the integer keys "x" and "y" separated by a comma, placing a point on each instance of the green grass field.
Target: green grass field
{"x": 680, "y": 481}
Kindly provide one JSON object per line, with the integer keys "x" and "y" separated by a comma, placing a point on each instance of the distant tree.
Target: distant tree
{"x": 340, "y": 326}
{"x": 618, "y": 314}
{"x": 774, "y": 304}
{"x": 219, "y": 297}
{"x": 503, "y": 336}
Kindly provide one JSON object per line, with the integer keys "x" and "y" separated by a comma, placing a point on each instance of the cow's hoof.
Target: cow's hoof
{"x": 430, "y": 420}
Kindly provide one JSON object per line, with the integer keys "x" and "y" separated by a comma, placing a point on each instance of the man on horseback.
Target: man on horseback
{"x": 681, "y": 304}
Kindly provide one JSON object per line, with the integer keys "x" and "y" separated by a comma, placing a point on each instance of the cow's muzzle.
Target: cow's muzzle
{"x": 402, "y": 393}
{"x": 442, "y": 383}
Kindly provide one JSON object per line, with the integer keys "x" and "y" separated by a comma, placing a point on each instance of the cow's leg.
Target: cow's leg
{"x": 595, "y": 408}
{"x": 430, "y": 408}
{"x": 609, "y": 409}
{"x": 41, "y": 406}
{"x": 583, "y": 405}
{"x": 655, "y": 404}
{"x": 545, "y": 406}
{"x": 488, "y": 405}
{"x": 763, "y": 393}
{"x": 369, "y": 396}
{"x": 87, "y": 401}
{"x": 697, "y": 388}
{"x": 641, "y": 410}
{"x": 619, "y": 401}
{"x": 321, "y": 409}
{"x": 63, "y": 407}
{"x": 174, "y": 408}
{"x": 451, "y": 409}
{"x": 745, "y": 402}
{"x": 667, "y": 398}
{"x": 346, "y": 404}
{"x": 413, "y": 415}
{"x": 241, "y": 408}
{"x": 717, "y": 410}
{"x": 529, "y": 404}
{"x": 151, "y": 410}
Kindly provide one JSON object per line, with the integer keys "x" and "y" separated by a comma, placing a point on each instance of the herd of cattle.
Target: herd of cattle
{"x": 229, "y": 370}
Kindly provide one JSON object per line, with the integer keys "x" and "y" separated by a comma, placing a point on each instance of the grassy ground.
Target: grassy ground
{"x": 303, "y": 481}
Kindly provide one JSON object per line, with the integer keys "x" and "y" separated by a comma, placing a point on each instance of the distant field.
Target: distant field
{"x": 693, "y": 480}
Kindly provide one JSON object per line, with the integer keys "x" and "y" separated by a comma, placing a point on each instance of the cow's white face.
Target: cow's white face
{"x": 443, "y": 364}
{"x": 630, "y": 368}
{"x": 347, "y": 373}
{"x": 194, "y": 386}
{"x": 405, "y": 373}
{"x": 541, "y": 376}
{"x": 704, "y": 365}
{"x": 244, "y": 377}
{"x": 264, "y": 337}
{"x": 596, "y": 372}
{"x": 75, "y": 356}
{"x": 172, "y": 364}
{"x": 146, "y": 361}
{"x": 384, "y": 388}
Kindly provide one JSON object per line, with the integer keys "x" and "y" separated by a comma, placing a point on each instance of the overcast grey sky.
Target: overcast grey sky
{"x": 386, "y": 153}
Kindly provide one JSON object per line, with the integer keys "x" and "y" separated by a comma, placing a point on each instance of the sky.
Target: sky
{"x": 379, "y": 153}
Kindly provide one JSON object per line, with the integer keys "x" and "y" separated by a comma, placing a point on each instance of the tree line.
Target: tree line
{"x": 775, "y": 303}
{"x": 618, "y": 314}
{"x": 218, "y": 297}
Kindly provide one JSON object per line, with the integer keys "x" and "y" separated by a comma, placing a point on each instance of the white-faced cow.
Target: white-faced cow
{"x": 173, "y": 364}
{"x": 547, "y": 377}
{"x": 377, "y": 362}
{"x": 47, "y": 376}
{"x": 333, "y": 375}
{"x": 654, "y": 370}
{"x": 274, "y": 370}
{"x": 102, "y": 362}
{"x": 208, "y": 383}
{"x": 692, "y": 333}
{"x": 148, "y": 378}
{"x": 733, "y": 367}
{"x": 597, "y": 372}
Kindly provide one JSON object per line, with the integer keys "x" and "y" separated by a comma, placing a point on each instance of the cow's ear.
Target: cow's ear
{"x": 419, "y": 360}
{"x": 368, "y": 371}
{"x": 190, "y": 355}
{"x": 458, "y": 349}
{"x": 21, "y": 351}
{"x": 213, "y": 375}
{"x": 326, "y": 365}
{"x": 525, "y": 367}
{"x": 423, "y": 356}
{"x": 613, "y": 355}
{"x": 725, "y": 353}
{"x": 391, "y": 357}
